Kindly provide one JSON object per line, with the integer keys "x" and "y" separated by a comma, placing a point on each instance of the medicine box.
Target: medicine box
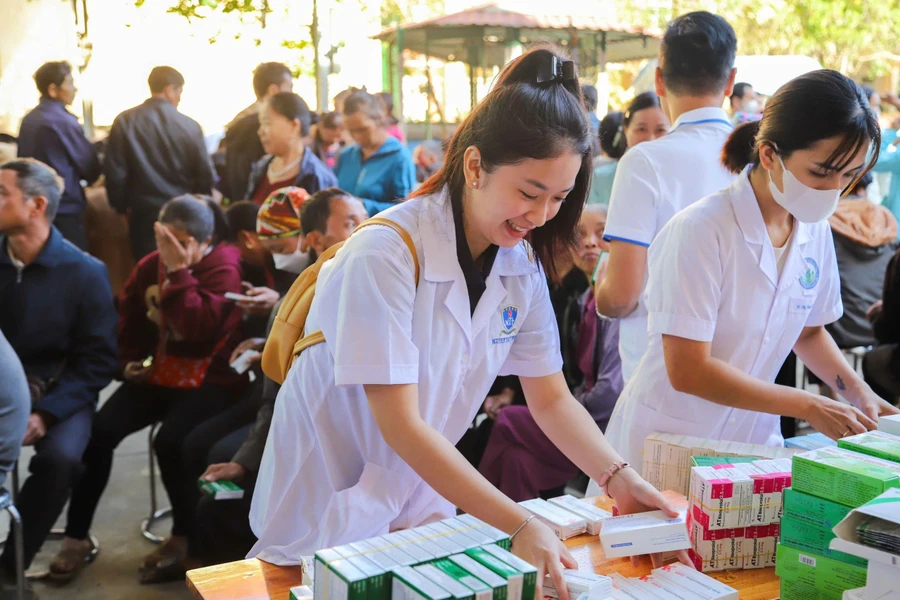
{"x": 495, "y": 582}
{"x": 804, "y": 574}
{"x": 716, "y": 550}
{"x": 322, "y": 559}
{"x": 220, "y": 490}
{"x": 874, "y": 443}
{"x": 476, "y": 534}
{"x": 515, "y": 579}
{"x": 811, "y": 538}
{"x": 813, "y": 510}
{"x": 301, "y": 592}
{"x": 494, "y": 535}
{"x": 843, "y": 476}
{"x": 481, "y": 590}
{"x": 722, "y": 497}
{"x": 443, "y": 541}
{"x": 760, "y": 542}
{"x": 644, "y": 533}
{"x": 456, "y": 590}
{"x": 591, "y": 514}
{"x": 563, "y": 523}
{"x": 529, "y": 572}
{"x": 378, "y": 584}
{"x": 591, "y": 586}
{"x": 660, "y": 589}
{"x": 712, "y": 461}
{"x": 813, "y": 441}
{"x": 889, "y": 424}
{"x": 702, "y": 586}
{"x": 343, "y": 581}
{"x": 410, "y": 585}
{"x": 459, "y": 538}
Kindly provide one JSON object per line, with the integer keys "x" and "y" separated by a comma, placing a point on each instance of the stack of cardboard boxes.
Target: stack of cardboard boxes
{"x": 667, "y": 457}
{"x": 828, "y": 484}
{"x": 735, "y": 511}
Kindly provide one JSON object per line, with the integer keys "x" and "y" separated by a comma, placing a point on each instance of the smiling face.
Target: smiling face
{"x": 514, "y": 199}
{"x": 590, "y": 231}
{"x": 646, "y": 125}
{"x": 810, "y": 165}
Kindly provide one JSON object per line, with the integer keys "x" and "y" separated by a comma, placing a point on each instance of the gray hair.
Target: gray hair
{"x": 597, "y": 208}
{"x": 35, "y": 179}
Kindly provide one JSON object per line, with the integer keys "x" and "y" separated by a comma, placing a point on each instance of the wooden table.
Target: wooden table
{"x": 257, "y": 580}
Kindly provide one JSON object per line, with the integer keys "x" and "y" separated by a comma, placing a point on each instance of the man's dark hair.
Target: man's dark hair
{"x": 242, "y": 217}
{"x": 269, "y": 73}
{"x": 316, "y": 210}
{"x": 51, "y": 73}
{"x": 162, "y": 77}
{"x": 739, "y": 90}
{"x": 590, "y": 97}
{"x": 697, "y": 54}
{"x": 35, "y": 179}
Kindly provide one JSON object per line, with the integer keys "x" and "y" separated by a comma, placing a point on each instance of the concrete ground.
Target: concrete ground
{"x": 113, "y": 575}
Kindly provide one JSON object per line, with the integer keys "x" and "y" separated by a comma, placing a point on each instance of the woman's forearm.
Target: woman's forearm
{"x": 692, "y": 371}
{"x": 819, "y": 352}
{"x": 437, "y": 461}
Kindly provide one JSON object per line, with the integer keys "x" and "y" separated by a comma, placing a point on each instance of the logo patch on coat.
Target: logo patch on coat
{"x": 810, "y": 277}
{"x": 509, "y": 314}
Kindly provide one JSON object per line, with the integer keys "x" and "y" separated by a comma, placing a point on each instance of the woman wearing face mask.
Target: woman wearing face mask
{"x": 643, "y": 121}
{"x": 175, "y": 325}
{"x": 283, "y": 123}
{"x": 743, "y": 277}
{"x": 362, "y": 440}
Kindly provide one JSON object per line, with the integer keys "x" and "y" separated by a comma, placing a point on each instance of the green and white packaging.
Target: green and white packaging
{"x": 378, "y": 584}
{"x": 515, "y": 579}
{"x": 322, "y": 560}
{"x": 220, "y": 490}
{"x": 529, "y": 572}
{"x": 810, "y": 538}
{"x": 301, "y": 592}
{"x": 473, "y": 567}
{"x": 448, "y": 544}
{"x": 495, "y": 535}
{"x": 806, "y": 575}
{"x": 481, "y": 590}
{"x": 456, "y": 533}
{"x": 409, "y": 585}
{"x": 812, "y": 509}
{"x": 874, "y": 443}
{"x": 416, "y": 537}
{"x": 843, "y": 476}
{"x": 456, "y": 590}
{"x": 591, "y": 514}
{"x": 342, "y": 582}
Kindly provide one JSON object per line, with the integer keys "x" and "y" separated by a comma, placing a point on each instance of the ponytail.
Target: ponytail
{"x": 740, "y": 150}
{"x": 222, "y": 231}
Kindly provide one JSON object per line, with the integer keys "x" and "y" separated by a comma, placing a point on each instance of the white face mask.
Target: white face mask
{"x": 752, "y": 107}
{"x": 294, "y": 263}
{"x": 806, "y": 204}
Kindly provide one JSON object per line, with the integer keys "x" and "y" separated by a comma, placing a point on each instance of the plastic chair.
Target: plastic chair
{"x": 155, "y": 514}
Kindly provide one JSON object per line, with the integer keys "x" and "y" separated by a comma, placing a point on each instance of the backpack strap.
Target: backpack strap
{"x": 317, "y": 337}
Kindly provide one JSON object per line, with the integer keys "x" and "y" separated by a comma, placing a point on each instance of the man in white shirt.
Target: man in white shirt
{"x": 657, "y": 179}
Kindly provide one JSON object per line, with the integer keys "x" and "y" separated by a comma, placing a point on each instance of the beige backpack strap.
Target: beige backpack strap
{"x": 404, "y": 235}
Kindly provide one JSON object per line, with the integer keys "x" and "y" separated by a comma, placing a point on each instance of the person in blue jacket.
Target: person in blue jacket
{"x": 377, "y": 169}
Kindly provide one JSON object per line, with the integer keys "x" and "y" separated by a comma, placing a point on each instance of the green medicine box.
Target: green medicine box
{"x": 377, "y": 582}
{"x": 874, "y": 443}
{"x": 473, "y": 567}
{"x": 481, "y": 590}
{"x": 456, "y": 590}
{"x": 529, "y": 572}
{"x": 343, "y": 582}
{"x": 220, "y": 490}
{"x": 410, "y": 585}
{"x": 515, "y": 579}
{"x": 811, "y": 538}
{"x": 807, "y": 576}
{"x": 814, "y": 510}
{"x": 843, "y": 476}
{"x": 712, "y": 461}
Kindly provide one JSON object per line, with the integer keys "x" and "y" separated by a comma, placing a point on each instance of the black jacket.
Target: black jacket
{"x": 154, "y": 154}
{"x": 242, "y": 150}
{"x": 59, "y": 317}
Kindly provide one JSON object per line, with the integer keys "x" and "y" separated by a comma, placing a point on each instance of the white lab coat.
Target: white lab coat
{"x": 327, "y": 475}
{"x": 713, "y": 278}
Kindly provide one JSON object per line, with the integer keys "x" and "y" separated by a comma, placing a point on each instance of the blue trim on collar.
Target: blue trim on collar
{"x": 610, "y": 238}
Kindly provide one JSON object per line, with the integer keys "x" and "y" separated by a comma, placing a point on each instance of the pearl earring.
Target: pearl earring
{"x": 475, "y": 184}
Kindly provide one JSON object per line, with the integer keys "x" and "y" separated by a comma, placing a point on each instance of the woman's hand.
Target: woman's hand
{"x": 539, "y": 546}
{"x": 262, "y": 303}
{"x": 230, "y": 471}
{"x": 136, "y": 372}
{"x": 173, "y": 255}
{"x": 838, "y": 420}
{"x": 248, "y": 344}
{"x": 873, "y": 406}
{"x": 633, "y": 494}
{"x": 875, "y": 310}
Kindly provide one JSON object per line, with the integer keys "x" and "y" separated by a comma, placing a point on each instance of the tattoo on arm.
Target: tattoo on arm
{"x": 840, "y": 383}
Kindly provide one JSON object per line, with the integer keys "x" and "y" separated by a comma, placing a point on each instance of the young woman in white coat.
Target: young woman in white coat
{"x": 362, "y": 440}
{"x": 746, "y": 275}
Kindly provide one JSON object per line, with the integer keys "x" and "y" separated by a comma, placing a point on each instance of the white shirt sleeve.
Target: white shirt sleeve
{"x": 685, "y": 280}
{"x": 634, "y": 200}
{"x": 535, "y": 352}
{"x": 828, "y": 307}
{"x": 369, "y": 328}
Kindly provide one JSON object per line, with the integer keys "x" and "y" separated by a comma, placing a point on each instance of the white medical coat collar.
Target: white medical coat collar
{"x": 709, "y": 115}
{"x": 750, "y": 220}
{"x": 438, "y": 236}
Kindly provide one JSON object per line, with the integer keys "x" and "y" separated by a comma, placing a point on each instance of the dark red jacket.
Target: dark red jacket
{"x": 192, "y": 305}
